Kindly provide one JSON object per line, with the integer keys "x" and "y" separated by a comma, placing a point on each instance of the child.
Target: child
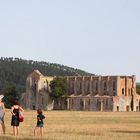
{"x": 40, "y": 123}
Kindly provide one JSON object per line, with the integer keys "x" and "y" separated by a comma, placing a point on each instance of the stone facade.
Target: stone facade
{"x": 37, "y": 93}
{"x": 102, "y": 93}
{"x": 89, "y": 93}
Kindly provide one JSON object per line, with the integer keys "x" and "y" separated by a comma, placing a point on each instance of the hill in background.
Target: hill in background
{"x": 16, "y": 70}
{"x": 138, "y": 88}
{"x": 138, "y": 84}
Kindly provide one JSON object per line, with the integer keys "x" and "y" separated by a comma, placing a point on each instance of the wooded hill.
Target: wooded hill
{"x": 138, "y": 88}
{"x": 15, "y": 71}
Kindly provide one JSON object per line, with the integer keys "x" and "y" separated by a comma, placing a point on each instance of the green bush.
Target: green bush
{"x": 138, "y": 89}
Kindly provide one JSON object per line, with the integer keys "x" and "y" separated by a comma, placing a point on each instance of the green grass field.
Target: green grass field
{"x": 73, "y": 125}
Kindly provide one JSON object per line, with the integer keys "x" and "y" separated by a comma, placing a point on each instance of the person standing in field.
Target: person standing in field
{"x": 15, "y": 117}
{"x": 40, "y": 122}
{"x": 2, "y": 113}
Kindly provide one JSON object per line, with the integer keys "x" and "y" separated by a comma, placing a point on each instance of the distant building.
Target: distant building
{"x": 37, "y": 93}
{"x": 89, "y": 93}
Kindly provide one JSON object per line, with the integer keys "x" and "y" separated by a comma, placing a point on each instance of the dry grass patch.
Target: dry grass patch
{"x": 76, "y": 125}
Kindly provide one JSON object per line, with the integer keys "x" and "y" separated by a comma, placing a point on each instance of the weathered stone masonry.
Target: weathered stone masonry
{"x": 101, "y": 93}
{"x": 89, "y": 93}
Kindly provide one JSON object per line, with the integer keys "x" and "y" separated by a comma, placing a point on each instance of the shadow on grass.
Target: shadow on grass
{"x": 13, "y": 138}
{"x": 81, "y": 133}
{"x": 126, "y": 131}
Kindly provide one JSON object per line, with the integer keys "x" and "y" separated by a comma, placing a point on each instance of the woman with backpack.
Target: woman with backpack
{"x": 15, "y": 110}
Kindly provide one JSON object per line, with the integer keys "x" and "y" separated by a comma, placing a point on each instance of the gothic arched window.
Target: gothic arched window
{"x": 96, "y": 86}
{"x": 105, "y": 86}
{"x": 122, "y": 91}
{"x": 114, "y": 85}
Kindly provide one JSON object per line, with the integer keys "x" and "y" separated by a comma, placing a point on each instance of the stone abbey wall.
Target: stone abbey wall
{"x": 37, "y": 93}
{"x": 98, "y": 93}
{"x": 89, "y": 93}
{"x": 101, "y": 85}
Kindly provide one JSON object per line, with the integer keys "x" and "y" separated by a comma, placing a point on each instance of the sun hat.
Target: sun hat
{"x": 1, "y": 96}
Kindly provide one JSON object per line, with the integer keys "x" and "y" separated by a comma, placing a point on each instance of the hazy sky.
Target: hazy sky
{"x": 98, "y": 36}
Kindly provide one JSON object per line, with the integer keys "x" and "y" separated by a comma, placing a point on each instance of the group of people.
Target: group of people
{"x": 15, "y": 111}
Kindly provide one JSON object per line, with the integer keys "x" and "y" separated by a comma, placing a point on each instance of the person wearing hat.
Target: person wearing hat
{"x": 2, "y": 113}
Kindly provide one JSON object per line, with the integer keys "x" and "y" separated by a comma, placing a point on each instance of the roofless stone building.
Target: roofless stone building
{"x": 89, "y": 93}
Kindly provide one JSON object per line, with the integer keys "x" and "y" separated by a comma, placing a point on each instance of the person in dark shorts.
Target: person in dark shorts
{"x": 15, "y": 117}
{"x": 40, "y": 122}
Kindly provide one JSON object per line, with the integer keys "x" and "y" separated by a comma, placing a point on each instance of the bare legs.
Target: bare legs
{"x": 35, "y": 130}
{"x": 16, "y": 131}
{"x": 41, "y": 131}
{"x": 2, "y": 129}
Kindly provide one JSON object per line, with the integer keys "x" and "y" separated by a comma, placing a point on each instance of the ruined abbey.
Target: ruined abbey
{"x": 88, "y": 93}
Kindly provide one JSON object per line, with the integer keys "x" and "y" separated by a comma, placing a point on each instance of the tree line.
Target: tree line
{"x": 14, "y": 71}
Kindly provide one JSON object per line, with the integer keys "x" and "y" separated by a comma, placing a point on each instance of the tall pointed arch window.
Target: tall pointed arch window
{"x": 96, "y": 86}
{"x": 114, "y": 85}
{"x": 105, "y": 86}
{"x": 122, "y": 91}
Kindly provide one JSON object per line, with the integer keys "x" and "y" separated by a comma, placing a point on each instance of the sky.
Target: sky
{"x": 99, "y": 36}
